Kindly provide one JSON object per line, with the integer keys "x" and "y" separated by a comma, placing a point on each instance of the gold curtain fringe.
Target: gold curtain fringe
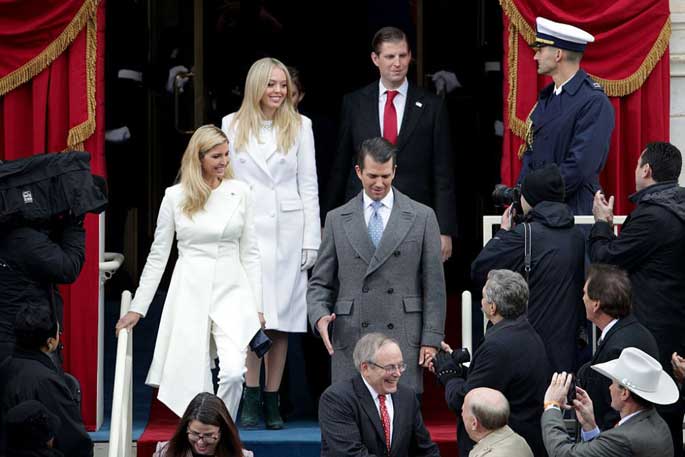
{"x": 516, "y": 18}
{"x": 626, "y": 86}
{"x": 80, "y": 133}
{"x": 49, "y": 54}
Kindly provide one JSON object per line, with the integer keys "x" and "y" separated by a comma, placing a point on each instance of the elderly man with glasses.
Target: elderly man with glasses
{"x": 371, "y": 413}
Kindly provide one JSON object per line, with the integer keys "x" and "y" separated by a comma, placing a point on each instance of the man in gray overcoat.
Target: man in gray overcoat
{"x": 379, "y": 270}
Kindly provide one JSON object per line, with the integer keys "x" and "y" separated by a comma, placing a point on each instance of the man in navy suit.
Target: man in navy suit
{"x": 412, "y": 119}
{"x": 572, "y": 121}
{"x": 371, "y": 414}
{"x": 608, "y": 303}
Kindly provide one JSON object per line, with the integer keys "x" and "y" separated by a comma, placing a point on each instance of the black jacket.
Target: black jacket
{"x": 31, "y": 375}
{"x": 351, "y": 425}
{"x": 651, "y": 247}
{"x": 425, "y": 170}
{"x": 511, "y": 359}
{"x": 32, "y": 262}
{"x": 627, "y": 332}
{"x": 555, "y": 307}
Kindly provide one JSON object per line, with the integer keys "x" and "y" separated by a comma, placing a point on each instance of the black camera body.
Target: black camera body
{"x": 504, "y": 196}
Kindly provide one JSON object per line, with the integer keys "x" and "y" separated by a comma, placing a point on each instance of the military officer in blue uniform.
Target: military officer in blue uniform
{"x": 572, "y": 122}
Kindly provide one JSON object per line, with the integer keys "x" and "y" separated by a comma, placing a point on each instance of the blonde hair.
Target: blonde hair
{"x": 247, "y": 121}
{"x": 195, "y": 188}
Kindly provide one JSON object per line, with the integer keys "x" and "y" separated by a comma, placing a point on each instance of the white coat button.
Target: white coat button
{"x": 242, "y": 160}
{"x": 282, "y": 159}
{"x": 272, "y": 214}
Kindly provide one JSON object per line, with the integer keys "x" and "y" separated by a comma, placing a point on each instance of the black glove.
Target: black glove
{"x": 447, "y": 368}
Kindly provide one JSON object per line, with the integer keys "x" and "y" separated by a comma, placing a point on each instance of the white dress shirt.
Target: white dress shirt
{"x": 399, "y": 101}
{"x": 607, "y": 328}
{"x": 384, "y": 211}
{"x": 388, "y": 405}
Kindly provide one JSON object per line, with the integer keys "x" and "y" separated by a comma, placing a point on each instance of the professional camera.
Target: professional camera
{"x": 504, "y": 196}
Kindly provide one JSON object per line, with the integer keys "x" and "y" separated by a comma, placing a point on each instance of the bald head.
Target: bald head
{"x": 489, "y": 407}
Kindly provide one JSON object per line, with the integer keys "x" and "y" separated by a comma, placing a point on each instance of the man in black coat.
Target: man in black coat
{"x": 650, "y": 248}
{"x": 607, "y": 298}
{"x": 557, "y": 250}
{"x": 414, "y": 120}
{"x": 33, "y": 260}
{"x": 30, "y": 374}
{"x": 511, "y": 359}
{"x": 371, "y": 414}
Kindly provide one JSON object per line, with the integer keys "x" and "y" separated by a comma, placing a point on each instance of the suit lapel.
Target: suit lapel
{"x": 228, "y": 204}
{"x": 355, "y": 228}
{"x": 368, "y": 406}
{"x": 412, "y": 113}
{"x": 397, "y": 423}
{"x": 369, "y": 112}
{"x": 401, "y": 220}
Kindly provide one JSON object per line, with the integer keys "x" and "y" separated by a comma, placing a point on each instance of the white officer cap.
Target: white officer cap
{"x": 562, "y": 36}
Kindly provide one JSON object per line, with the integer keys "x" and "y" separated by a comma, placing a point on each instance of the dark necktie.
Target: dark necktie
{"x": 385, "y": 420}
{"x": 390, "y": 117}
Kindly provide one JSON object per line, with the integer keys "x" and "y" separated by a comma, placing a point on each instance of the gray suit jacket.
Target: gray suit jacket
{"x": 397, "y": 289}
{"x": 351, "y": 425}
{"x": 643, "y": 435}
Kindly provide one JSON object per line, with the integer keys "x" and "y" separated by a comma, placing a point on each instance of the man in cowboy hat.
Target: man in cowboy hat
{"x": 638, "y": 383}
{"x": 573, "y": 118}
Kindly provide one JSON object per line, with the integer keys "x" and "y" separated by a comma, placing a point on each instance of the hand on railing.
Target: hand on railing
{"x": 127, "y": 321}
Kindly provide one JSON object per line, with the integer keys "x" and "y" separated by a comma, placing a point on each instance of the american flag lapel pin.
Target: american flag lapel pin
{"x": 419, "y": 104}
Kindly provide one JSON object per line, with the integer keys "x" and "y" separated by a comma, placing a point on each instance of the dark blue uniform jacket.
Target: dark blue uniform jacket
{"x": 572, "y": 130}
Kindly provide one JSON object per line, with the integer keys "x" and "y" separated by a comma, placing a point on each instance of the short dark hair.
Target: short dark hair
{"x": 508, "y": 291}
{"x": 573, "y": 56}
{"x": 664, "y": 159}
{"x": 296, "y": 78}
{"x": 611, "y": 286}
{"x": 210, "y": 410}
{"x": 33, "y": 325}
{"x": 379, "y": 149}
{"x": 638, "y": 399}
{"x": 387, "y": 35}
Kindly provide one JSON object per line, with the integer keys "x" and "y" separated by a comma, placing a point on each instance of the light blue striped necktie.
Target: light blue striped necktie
{"x": 375, "y": 223}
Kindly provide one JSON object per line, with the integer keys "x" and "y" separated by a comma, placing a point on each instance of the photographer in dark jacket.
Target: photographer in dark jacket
{"x": 557, "y": 249}
{"x": 650, "y": 248}
{"x": 30, "y": 374}
{"x": 511, "y": 359}
{"x": 33, "y": 260}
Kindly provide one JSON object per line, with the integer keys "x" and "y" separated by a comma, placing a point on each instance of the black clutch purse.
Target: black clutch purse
{"x": 260, "y": 343}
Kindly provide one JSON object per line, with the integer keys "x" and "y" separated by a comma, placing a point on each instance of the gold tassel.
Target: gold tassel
{"x": 40, "y": 62}
{"x": 80, "y": 133}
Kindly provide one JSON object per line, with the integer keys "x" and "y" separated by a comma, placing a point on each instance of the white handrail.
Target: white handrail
{"x": 466, "y": 315}
{"x": 121, "y": 427}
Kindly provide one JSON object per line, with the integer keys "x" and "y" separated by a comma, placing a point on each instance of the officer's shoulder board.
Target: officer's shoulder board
{"x": 594, "y": 84}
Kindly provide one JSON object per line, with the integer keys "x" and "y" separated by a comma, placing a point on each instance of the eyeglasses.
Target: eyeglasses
{"x": 195, "y": 437}
{"x": 390, "y": 369}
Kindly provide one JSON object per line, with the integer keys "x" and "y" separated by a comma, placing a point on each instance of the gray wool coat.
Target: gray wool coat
{"x": 397, "y": 289}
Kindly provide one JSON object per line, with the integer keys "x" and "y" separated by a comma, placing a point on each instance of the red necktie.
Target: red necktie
{"x": 385, "y": 419}
{"x": 390, "y": 117}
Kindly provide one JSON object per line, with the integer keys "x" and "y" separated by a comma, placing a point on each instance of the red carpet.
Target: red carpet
{"x": 160, "y": 427}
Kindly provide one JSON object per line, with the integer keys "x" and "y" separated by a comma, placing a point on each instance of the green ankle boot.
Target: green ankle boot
{"x": 272, "y": 415}
{"x": 249, "y": 416}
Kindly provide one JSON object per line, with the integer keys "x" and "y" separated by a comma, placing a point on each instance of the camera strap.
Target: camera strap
{"x": 527, "y": 249}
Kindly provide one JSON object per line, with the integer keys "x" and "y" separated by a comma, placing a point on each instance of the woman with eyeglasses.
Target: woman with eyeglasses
{"x": 206, "y": 428}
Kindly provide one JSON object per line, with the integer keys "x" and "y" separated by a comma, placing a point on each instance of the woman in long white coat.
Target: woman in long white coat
{"x": 272, "y": 150}
{"x": 213, "y": 306}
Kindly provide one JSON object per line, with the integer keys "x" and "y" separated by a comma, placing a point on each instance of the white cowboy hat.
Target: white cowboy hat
{"x": 642, "y": 374}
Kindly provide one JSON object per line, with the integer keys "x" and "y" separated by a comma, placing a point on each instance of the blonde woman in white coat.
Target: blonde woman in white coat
{"x": 213, "y": 306}
{"x": 272, "y": 150}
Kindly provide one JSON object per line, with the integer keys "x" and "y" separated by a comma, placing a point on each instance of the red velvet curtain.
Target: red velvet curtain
{"x": 52, "y": 99}
{"x": 629, "y": 58}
